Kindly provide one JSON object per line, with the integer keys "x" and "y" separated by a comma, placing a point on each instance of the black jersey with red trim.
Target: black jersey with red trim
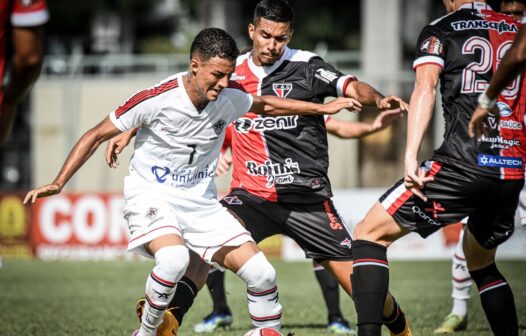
{"x": 285, "y": 159}
{"x": 468, "y": 44}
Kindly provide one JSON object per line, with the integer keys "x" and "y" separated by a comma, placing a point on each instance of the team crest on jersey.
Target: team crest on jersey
{"x": 282, "y": 89}
{"x": 233, "y": 200}
{"x": 432, "y": 45}
{"x": 219, "y": 126}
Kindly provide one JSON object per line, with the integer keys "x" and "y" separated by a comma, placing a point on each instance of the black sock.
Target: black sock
{"x": 183, "y": 299}
{"x": 370, "y": 281}
{"x": 396, "y": 321}
{"x": 331, "y": 293}
{"x": 216, "y": 286}
{"x": 497, "y": 300}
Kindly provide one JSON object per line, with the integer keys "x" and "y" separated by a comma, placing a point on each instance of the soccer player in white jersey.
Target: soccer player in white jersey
{"x": 170, "y": 195}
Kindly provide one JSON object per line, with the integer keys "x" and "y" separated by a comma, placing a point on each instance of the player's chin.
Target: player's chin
{"x": 213, "y": 94}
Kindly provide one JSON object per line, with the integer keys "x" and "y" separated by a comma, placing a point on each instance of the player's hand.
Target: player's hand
{"x": 386, "y": 118}
{"x": 478, "y": 124}
{"x": 341, "y": 103}
{"x": 115, "y": 147}
{"x": 223, "y": 164}
{"x": 44, "y": 191}
{"x": 391, "y": 103}
{"x": 415, "y": 178}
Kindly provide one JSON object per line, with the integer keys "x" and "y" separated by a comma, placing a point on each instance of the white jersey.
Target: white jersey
{"x": 177, "y": 146}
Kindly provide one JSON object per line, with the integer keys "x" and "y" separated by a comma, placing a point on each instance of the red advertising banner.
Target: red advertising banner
{"x": 15, "y": 222}
{"x": 80, "y": 226}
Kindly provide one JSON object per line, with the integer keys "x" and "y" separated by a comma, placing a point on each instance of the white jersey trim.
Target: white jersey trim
{"x": 342, "y": 83}
{"x": 427, "y": 60}
{"x": 30, "y": 19}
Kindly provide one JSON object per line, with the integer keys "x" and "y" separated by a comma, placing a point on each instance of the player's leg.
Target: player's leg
{"x": 496, "y": 296}
{"x": 171, "y": 261}
{"x": 221, "y": 316}
{"x": 251, "y": 265}
{"x": 330, "y": 289}
{"x": 461, "y": 287}
{"x": 370, "y": 277}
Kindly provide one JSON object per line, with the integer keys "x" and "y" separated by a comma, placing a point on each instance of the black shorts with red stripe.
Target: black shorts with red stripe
{"x": 453, "y": 195}
{"x": 317, "y": 228}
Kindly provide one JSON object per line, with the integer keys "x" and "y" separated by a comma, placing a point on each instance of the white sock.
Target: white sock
{"x": 171, "y": 263}
{"x": 262, "y": 293}
{"x": 461, "y": 281}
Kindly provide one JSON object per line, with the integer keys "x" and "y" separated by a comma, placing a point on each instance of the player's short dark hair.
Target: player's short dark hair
{"x": 212, "y": 42}
{"x": 274, "y": 10}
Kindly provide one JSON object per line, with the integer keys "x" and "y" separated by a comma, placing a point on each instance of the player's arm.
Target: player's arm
{"x": 276, "y": 106}
{"x": 513, "y": 63}
{"x": 356, "y": 130}
{"x": 369, "y": 96}
{"x": 27, "y": 43}
{"x": 420, "y": 113}
{"x": 81, "y": 152}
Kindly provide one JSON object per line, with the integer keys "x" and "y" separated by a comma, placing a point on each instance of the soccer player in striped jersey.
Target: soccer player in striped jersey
{"x": 462, "y": 51}
{"x": 170, "y": 195}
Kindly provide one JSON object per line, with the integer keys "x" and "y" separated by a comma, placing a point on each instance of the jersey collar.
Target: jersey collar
{"x": 263, "y": 71}
{"x": 479, "y": 6}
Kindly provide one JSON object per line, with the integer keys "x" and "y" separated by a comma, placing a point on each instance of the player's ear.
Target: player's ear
{"x": 194, "y": 66}
{"x": 251, "y": 31}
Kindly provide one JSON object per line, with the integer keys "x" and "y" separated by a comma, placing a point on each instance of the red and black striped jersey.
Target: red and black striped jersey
{"x": 285, "y": 159}
{"x": 17, "y": 13}
{"x": 468, "y": 45}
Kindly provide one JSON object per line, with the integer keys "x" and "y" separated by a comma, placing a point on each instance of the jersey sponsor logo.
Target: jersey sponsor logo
{"x": 500, "y": 142}
{"x": 219, "y": 126}
{"x": 485, "y": 160}
{"x": 501, "y": 27}
{"x": 276, "y": 173}
{"x": 432, "y": 45}
{"x": 504, "y": 109}
{"x": 508, "y": 124}
{"x": 235, "y": 77}
{"x": 325, "y": 75}
{"x": 183, "y": 176}
{"x": 424, "y": 216}
{"x": 151, "y": 214}
{"x": 282, "y": 89}
{"x": 245, "y": 125}
{"x": 234, "y": 200}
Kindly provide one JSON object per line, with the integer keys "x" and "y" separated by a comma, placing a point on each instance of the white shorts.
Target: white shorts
{"x": 204, "y": 225}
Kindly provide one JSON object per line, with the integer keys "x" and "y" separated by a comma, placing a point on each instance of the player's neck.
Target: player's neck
{"x": 197, "y": 97}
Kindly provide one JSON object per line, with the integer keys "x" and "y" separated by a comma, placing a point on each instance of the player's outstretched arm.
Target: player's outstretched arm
{"x": 116, "y": 145}
{"x": 355, "y": 130}
{"x": 513, "y": 63}
{"x": 83, "y": 149}
{"x": 369, "y": 96}
{"x": 275, "y": 106}
{"x": 419, "y": 116}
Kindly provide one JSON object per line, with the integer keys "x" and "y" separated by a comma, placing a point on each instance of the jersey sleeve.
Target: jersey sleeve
{"x": 241, "y": 101}
{"x": 29, "y": 13}
{"x": 430, "y": 47}
{"x": 135, "y": 112}
{"x": 325, "y": 80}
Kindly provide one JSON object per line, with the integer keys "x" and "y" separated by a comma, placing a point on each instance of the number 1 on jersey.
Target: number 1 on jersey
{"x": 192, "y": 153}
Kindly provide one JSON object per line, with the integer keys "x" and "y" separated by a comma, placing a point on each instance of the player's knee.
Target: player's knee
{"x": 172, "y": 261}
{"x": 258, "y": 273}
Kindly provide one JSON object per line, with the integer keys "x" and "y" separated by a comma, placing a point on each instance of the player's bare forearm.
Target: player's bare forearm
{"x": 26, "y": 64}
{"x": 348, "y": 129}
{"x": 364, "y": 93}
{"x": 513, "y": 63}
{"x": 276, "y": 106}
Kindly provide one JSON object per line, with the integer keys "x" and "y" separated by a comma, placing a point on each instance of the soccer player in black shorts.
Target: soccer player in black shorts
{"x": 478, "y": 178}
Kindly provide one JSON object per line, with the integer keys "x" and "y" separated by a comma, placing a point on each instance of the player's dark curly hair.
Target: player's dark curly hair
{"x": 274, "y": 10}
{"x": 211, "y": 42}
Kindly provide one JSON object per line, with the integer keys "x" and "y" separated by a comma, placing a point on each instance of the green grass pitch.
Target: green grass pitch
{"x": 98, "y": 298}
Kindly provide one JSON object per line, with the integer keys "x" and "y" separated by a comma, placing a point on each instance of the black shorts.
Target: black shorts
{"x": 317, "y": 228}
{"x": 453, "y": 195}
